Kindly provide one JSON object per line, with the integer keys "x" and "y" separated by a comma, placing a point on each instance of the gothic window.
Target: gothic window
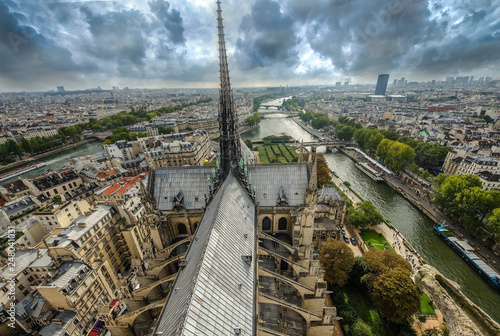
{"x": 181, "y": 228}
{"x": 266, "y": 224}
{"x": 282, "y": 223}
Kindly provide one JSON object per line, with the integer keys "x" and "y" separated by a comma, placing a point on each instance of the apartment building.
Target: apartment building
{"x": 31, "y": 268}
{"x": 80, "y": 289}
{"x": 21, "y": 209}
{"x": 123, "y": 150}
{"x": 14, "y": 190}
{"x": 177, "y": 149}
{"x": 56, "y": 215}
{"x": 62, "y": 182}
{"x": 32, "y": 233}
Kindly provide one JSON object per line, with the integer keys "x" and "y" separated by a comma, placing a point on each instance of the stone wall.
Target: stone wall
{"x": 463, "y": 317}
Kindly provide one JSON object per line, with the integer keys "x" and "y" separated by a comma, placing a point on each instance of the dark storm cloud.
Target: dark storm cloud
{"x": 117, "y": 35}
{"x": 25, "y": 54}
{"x": 170, "y": 18}
{"x": 72, "y": 41}
{"x": 267, "y": 37}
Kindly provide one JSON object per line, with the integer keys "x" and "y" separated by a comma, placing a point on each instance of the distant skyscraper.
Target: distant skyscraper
{"x": 338, "y": 84}
{"x": 60, "y": 89}
{"x": 381, "y": 84}
{"x": 395, "y": 83}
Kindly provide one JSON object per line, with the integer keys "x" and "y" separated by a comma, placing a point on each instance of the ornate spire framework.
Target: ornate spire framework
{"x": 228, "y": 122}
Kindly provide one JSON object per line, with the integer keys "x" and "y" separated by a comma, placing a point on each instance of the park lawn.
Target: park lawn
{"x": 359, "y": 300}
{"x": 274, "y": 153}
{"x": 292, "y": 151}
{"x": 374, "y": 239}
{"x": 425, "y": 307}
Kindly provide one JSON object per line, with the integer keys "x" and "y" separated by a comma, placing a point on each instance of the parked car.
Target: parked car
{"x": 346, "y": 239}
{"x": 353, "y": 241}
{"x": 343, "y": 231}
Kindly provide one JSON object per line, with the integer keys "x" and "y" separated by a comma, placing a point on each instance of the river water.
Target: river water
{"x": 414, "y": 225}
{"x": 56, "y": 161}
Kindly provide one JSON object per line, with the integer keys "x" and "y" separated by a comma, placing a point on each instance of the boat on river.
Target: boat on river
{"x": 22, "y": 170}
{"x": 468, "y": 253}
{"x": 372, "y": 173}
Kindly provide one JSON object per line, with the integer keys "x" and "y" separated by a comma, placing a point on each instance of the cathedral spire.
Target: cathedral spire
{"x": 228, "y": 121}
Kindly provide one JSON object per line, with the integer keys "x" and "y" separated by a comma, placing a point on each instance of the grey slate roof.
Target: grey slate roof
{"x": 214, "y": 292}
{"x": 329, "y": 193}
{"x": 268, "y": 179}
{"x": 192, "y": 181}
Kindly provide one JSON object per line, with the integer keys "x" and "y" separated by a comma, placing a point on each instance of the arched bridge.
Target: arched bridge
{"x": 99, "y": 135}
{"x": 278, "y": 107}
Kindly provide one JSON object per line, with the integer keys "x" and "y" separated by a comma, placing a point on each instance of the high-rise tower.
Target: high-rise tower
{"x": 228, "y": 121}
{"x": 381, "y": 84}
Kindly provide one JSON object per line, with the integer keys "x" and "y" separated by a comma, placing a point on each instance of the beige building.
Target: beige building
{"x": 62, "y": 182}
{"x": 31, "y": 268}
{"x": 460, "y": 162}
{"x": 62, "y": 215}
{"x": 79, "y": 288}
{"x": 178, "y": 149}
{"x": 123, "y": 150}
{"x": 32, "y": 233}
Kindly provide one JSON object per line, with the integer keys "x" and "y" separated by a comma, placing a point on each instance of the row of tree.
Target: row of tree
{"x": 427, "y": 154}
{"x": 395, "y": 154}
{"x": 464, "y": 198}
{"x": 12, "y": 149}
{"x": 123, "y": 133}
{"x": 365, "y": 214}
{"x": 382, "y": 274}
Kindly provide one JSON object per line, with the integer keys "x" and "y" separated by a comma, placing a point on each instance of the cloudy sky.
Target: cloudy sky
{"x": 160, "y": 43}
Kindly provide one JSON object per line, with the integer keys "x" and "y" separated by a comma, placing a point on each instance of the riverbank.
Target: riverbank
{"x": 433, "y": 213}
{"x": 309, "y": 129}
{"x": 247, "y": 128}
{"x": 30, "y": 159}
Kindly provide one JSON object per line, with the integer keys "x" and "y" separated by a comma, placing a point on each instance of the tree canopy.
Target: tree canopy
{"x": 395, "y": 296}
{"x": 253, "y": 119}
{"x": 336, "y": 258}
{"x": 365, "y": 214}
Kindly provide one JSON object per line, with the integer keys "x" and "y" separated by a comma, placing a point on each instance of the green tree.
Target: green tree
{"x": 494, "y": 222}
{"x": 57, "y": 199}
{"x": 26, "y": 145}
{"x": 374, "y": 141}
{"x": 448, "y": 188}
{"x": 120, "y": 130}
{"x": 391, "y": 135}
{"x": 336, "y": 258}
{"x": 320, "y": 122}
{"x": 357, "y": 271}
{"x": 165, "y": 130}
{"x": 253, "y": 119}
{"x": 359, "y": 219}
{"x": 381, "y": 261}
{"x": 383, "y": 149}
{"x": 345, "y": 133}
{"x": 14, "y": 148}
{"x": 374, "y": 217}
{"x": 395, "y": 296}
{"x": 249, "y": 144}
{"x": 360, "y": 328}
